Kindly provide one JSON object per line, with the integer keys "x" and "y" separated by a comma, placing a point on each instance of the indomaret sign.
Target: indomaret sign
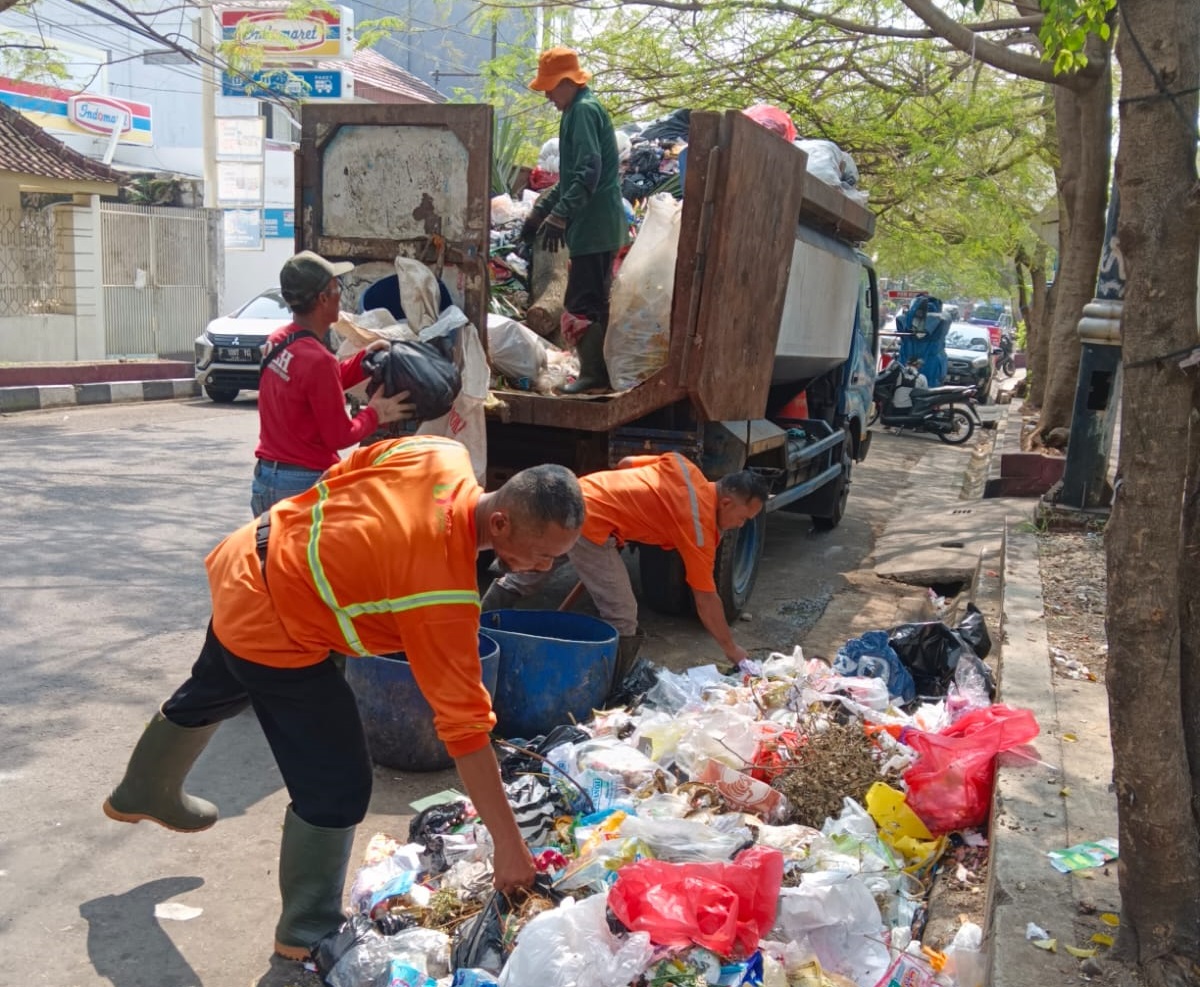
{"x": 285, "y": 36}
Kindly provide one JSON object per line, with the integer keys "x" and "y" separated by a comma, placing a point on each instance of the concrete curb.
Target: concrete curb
{"x": 1055, "y": 801}
{"x": 36, "y": 398}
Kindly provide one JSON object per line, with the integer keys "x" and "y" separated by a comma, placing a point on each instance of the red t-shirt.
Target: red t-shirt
{"x": 302, "y": 416}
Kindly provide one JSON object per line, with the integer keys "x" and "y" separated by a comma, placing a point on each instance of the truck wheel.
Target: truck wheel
{"x": 664, "y": 586}
{"x": 839, "y": 502}
{"x": 736, "y": 568}
{"x": 221, "y": 395}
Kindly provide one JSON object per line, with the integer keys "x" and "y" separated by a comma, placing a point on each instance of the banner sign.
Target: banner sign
{"x": 296, "y": 83}
{"x": 67, "y": 112}
{"x": 285, "y": 36}
{"x": 279, "y": 224}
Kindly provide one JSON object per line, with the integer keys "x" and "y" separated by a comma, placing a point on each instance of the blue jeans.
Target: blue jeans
{"x": 272, "y": 484}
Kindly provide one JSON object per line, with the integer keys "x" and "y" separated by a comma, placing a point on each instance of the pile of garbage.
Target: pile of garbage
{"x": 775, "y": 827}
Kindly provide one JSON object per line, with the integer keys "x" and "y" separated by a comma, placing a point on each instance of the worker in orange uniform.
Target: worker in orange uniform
{"x": 655, "y": 500}
{"x": 378, "y": 557}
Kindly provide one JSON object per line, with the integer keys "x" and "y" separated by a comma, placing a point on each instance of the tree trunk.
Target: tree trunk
{"x": 1084, "y": 134}
{"x": 1032, "y": 303}
{"x": 1159, "y": 869}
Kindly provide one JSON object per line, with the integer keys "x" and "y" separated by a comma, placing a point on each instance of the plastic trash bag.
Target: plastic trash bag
{"x": 950, "y": 785}
{"x": 639, "y": 681}
{"x": 464, "y": 421}
{"x": 715, "y": 905}
{"x": 931, "y": 650}
{"x": 973, "y": 629}
{"x": 639, "y": 321}
{"x": 872, "y": 655}
{"x": 425, "y": 370}
{"x": 773, "y": 118}
{"x": 686, "y": 840}
{"x": 835, "y": 916}
{"x": 829, "y": 163}
{"x": 514, "y": 350}
{"x": 573, "y": 946}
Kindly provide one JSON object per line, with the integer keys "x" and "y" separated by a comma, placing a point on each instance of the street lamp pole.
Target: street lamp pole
{"x": 1085, "y": 476}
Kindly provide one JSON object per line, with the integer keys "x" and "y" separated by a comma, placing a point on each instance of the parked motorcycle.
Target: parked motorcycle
{"x": 947, "y": 412}
{"x": 1004, "y": 356}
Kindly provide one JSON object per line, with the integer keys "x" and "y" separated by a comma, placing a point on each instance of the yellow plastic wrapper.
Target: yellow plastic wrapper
{"x": 901, "y": 828}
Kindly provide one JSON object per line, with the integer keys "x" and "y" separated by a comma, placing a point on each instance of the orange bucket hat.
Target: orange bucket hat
{"x": 556, "y": 64}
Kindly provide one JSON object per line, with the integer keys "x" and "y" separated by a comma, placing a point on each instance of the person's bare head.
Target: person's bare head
{"x": 533, "y": 518}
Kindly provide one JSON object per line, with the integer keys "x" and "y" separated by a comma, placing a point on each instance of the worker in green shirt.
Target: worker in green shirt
{"x": 584, "y": 210}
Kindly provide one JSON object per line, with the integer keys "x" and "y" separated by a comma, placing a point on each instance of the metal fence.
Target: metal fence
{"x": 30, "y": 281}
{"x": 159, "y": 285}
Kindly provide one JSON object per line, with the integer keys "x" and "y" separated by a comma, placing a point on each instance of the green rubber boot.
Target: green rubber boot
{"x": 152, "y": 788}
{"x": 312, "y": 874}
{"x": 593, "y": 371}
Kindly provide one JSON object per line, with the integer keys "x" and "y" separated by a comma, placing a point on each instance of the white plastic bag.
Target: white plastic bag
{"x": 515, "y": 350}
{"x": 572, "y": 946}
{"x": 639, "y": 321}
{"x": 465, "y": 420}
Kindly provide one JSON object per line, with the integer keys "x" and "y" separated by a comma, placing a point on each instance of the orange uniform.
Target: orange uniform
{"x": 380, "y": 562}
{"x": 657, "y": 500}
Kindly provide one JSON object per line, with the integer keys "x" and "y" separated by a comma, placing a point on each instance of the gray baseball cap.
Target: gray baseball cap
{"x": 306, "y": 275}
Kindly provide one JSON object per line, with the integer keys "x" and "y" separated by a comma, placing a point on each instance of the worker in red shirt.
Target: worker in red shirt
{"x": 378, "y": 557}
{"x": 655, "y": 500}
{"x": 301, "y": 393}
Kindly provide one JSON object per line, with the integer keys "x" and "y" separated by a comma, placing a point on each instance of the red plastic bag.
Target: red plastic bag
{"x": 714, "y": 905}
{"x": 773, "y": 118}
{"x": 950, "y": 785}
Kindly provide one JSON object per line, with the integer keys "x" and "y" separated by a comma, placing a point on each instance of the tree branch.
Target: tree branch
{"x": 993, "y": 54}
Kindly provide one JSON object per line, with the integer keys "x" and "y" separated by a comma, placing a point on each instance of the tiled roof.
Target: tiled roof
{"x": 27, "y": 149}
{"x": 373, "y": 69}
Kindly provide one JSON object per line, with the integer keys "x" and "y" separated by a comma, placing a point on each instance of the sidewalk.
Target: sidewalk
{"x": 35, "y": 386}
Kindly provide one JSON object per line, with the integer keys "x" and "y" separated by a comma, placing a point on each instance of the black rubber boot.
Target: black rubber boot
{"x": 152, "y": 788}
{"x": 312, "y": 873}
{"x": 627, "y": 652}
{"x": 593, "y": 371}
{"x": 499, "y": 598}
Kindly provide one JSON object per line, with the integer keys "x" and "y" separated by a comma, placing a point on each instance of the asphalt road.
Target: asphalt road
{"x": 106, "y": 517}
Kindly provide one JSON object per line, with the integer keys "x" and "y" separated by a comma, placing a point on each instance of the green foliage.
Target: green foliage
{"x": 955, "y": 156}
{"x": 1066, "y": 26}
{"x": 506, "y": 150}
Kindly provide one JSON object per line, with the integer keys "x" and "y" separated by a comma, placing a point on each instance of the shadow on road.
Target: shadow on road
{"x": 126, "y": 942}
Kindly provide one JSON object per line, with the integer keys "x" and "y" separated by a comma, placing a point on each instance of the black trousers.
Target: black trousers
{"x": 589, "y": 285}
{"x": 310, "y": 720}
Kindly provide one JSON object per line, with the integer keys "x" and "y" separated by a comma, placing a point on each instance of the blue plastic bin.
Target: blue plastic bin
{"x": 396, "y": 718}
{"x": 554, "y": 668}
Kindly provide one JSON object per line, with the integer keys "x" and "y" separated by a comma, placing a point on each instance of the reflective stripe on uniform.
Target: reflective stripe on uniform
{"x": 687, "y": 479}
{"x": 345, "y": 614}
{"x": 425, "y": 440}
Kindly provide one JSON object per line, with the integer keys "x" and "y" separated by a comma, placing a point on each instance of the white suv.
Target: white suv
{"x": 229, "y": 352}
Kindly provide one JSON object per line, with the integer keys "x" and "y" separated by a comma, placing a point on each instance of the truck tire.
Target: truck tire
{"x": 839, "y": 501}
{"x": 664, "y": 586}
{"x": 221, "y": 395}
{"x": 736, "y": 568}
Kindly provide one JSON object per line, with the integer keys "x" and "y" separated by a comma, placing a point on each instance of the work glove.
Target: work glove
{"x": 531, "y": 225}
{"x": 554, "y": 232}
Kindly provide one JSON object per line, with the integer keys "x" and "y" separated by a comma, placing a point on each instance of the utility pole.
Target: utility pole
{"x": 208, "y": 104}
{"x": 1085, "y": 476}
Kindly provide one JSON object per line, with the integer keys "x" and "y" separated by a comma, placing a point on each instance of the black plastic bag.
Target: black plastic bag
{"x": 930, "y": 651}
{"x": 479, "y": 942}
{"x": 355, "y": 931}
{"x": 973, "y": 630}
{"x": 640, "y": 680}
{"x": 430, "y": 825}
{"x": 518, "y": 762}
{"x": 425, "y": 370}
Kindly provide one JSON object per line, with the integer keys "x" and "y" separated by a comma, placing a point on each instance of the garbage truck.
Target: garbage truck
{"x": 775, "y": 315}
